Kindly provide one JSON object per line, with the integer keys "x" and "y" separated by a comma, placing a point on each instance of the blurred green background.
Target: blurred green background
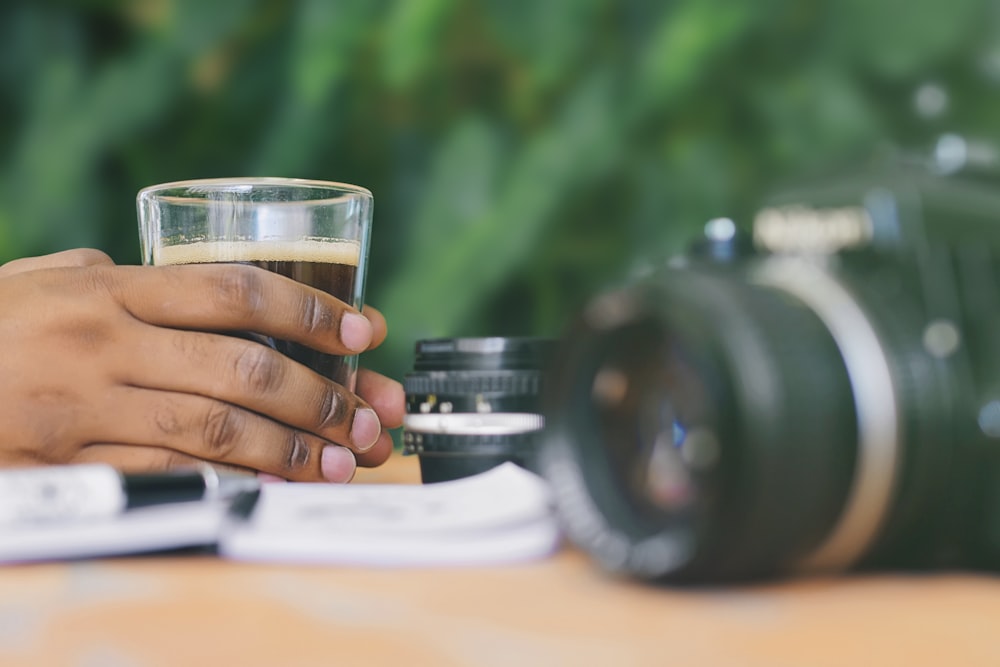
{"x": 523, "y": 154}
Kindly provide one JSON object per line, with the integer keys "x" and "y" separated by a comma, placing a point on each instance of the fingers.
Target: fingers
{"x": 252, "y": 376}
{"x": 263, "y": 381}
{"x": 129, "y": 458}
{"x": 378, "y": 454}
{"x": 174, "y": 428}
{"x": 177, "y": 429}
{"x": 233, "y": 297}
{"x": 384, "y": 395}
{"x": 379, "y": 327}
{"x": 68, "y": 258}
{"x": 132, "y": 458}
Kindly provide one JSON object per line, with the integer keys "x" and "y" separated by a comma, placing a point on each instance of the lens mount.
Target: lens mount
{"x": 874, "y": 401}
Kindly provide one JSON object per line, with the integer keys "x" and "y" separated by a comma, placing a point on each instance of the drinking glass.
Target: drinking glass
{"x": 315, "y": 232}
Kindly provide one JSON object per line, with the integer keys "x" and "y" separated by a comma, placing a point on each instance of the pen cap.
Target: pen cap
{"x": 171, "y": 486}
{"x": 185, "y": 485}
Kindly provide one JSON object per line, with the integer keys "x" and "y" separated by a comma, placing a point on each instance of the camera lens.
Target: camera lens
{"x": 712, "y": 425}
{"x": 473, "y": 403}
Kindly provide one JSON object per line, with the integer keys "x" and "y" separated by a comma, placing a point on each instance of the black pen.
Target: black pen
{"x": 93, "y": 491}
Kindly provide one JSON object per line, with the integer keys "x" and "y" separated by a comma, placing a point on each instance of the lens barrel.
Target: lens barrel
{"x": 699, "y": 428}
{"x": 473, "y": 403}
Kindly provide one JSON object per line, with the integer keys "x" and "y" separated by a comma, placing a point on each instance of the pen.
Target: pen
{"x": 92, "y": 491}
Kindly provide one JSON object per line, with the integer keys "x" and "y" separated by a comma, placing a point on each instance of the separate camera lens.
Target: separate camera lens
{"x": 473, "y": 403}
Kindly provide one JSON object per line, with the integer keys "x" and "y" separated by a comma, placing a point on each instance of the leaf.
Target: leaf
{"x": 74, "y": 114}
{"x": 550, "y": 38}
{"x": 901, "y": 38}
{"x": 413, "y": 34}
{"x": 460, "y": 190}
{"x": 682, "y": 49}
{"x": 327, "y": 38}
{"x": 437, "y": 289}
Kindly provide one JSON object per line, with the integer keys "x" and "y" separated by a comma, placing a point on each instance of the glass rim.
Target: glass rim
{"x": 159, "y": 190}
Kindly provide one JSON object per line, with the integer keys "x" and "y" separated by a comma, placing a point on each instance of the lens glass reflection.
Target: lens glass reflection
{"x": 649, "y": 401}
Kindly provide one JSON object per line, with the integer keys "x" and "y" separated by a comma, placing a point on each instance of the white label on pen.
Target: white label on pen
{"x": 57, "y": 493}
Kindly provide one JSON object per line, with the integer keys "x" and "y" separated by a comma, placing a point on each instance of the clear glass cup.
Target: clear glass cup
{"x": 314, "y": 232}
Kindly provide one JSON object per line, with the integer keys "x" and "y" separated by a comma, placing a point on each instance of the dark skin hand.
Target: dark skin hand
{"x": 120, "y": 364}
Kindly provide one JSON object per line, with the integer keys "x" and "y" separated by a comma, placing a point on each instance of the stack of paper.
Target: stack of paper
{"x": 499, "y": 516}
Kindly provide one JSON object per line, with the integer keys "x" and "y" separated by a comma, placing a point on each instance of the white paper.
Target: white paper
{"x": 499, "y": 516}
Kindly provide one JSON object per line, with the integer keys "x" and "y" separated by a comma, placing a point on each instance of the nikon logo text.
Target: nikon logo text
{"x": 804, "y": 230}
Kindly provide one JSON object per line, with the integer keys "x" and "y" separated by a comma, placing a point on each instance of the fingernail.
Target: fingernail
{"x": 355, "y": 331}
{"x": 337, "y": 464}
{"x": 365, "y": 429}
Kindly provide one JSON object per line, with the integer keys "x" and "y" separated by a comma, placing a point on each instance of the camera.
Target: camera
{"x": 473, "y": 403}
{"x": 816, "y": 393}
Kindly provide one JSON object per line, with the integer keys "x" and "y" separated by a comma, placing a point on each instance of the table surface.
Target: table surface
{"x": 198, "y": 610}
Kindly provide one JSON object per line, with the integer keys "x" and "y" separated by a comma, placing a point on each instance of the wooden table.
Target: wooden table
{"x": 197, "y": 610}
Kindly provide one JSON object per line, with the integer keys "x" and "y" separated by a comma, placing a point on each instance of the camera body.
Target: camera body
{"x": 818, "y": 395}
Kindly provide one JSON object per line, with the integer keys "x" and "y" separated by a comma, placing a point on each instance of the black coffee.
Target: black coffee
{"x": 331, "y": 266}
{"x": 336, "y": 279}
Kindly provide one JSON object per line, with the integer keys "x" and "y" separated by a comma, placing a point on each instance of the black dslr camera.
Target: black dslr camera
{"x": 820, "y": 394}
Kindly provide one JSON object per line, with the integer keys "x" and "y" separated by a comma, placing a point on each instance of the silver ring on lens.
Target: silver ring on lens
{"x": 507, "y": 423}
{"x": 875, "y": 403}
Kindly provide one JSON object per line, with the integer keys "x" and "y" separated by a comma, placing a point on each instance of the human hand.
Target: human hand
{"x": 123, "y": 365}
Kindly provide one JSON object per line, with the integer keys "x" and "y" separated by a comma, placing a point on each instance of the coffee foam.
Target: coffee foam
{"x": 307, "y": 250}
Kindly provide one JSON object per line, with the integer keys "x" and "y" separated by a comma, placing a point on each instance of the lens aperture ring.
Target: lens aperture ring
{"x": 458, "y": 445}
{"x": 463, "y": 383}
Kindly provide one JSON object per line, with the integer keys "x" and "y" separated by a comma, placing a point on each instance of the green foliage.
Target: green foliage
{"x": 523, "y": 155}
